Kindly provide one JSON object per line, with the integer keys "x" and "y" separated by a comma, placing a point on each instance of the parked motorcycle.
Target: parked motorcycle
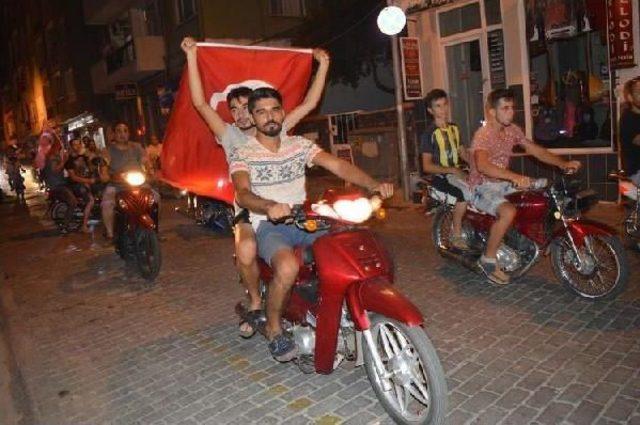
{"x": 344, "y": 293}
{"x": 214, "y": 214}
{"x": 135, "y": 233}
{"x": 631, "y": 191}
{"x": 586, "y": 256}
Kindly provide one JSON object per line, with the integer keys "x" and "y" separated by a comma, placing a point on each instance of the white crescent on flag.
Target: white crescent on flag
{"x": 222, "y": 96}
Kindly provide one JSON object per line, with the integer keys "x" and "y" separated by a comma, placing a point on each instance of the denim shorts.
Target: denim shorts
{"x": 271, "y": 238}
{"x": 487, "y": 197}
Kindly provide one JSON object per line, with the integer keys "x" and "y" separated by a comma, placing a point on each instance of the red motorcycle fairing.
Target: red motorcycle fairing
{"x": 379, "y": 296}
{"x": 581, "y": 228}
{"x": 354, "y": 256}
{"x": 137, "y": 204}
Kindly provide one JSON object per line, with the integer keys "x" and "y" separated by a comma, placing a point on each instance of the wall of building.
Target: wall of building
{"x": 425, "y": 27}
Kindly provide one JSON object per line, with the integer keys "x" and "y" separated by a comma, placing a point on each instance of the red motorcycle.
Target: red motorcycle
{"x": 344, "y": 292}
{"x": 135, "y": 230}
{"x": 586, "y": 256}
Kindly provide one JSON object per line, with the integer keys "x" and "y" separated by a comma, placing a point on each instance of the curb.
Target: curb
{"x": 15, "y": 404}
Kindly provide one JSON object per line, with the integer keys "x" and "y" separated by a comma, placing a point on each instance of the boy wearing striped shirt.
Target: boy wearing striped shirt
{"x": 442, "y": 156}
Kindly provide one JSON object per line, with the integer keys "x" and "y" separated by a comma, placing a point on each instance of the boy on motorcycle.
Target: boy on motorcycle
{"x": 490, "y": 177}
{"x": 232, "y": 136}
{"x": 442, "y": 155}
{"x": 269, "y": 176}
{"x": 78, "y": 168}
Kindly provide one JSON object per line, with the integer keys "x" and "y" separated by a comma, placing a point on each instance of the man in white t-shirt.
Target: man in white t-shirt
{"x": 269, "y": 176}
{"x": 232, "y": 136}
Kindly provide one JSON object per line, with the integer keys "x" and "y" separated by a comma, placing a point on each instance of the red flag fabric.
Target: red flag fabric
{"x": 191, "y": 157}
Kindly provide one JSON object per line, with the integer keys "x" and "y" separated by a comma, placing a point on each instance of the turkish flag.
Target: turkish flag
{"x": 191, "y": 157}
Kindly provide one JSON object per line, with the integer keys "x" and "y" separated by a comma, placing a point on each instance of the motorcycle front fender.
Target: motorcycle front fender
{"x": 377, "y": 295}
{"x": 581, "y": 228}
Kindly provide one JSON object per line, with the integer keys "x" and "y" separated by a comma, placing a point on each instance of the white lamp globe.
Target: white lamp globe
{"x": 391, "y": 20}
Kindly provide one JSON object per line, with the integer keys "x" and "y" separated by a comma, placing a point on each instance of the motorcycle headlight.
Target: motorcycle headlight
{"x": 356, "y": 211}
{"x": 134, "y": 178}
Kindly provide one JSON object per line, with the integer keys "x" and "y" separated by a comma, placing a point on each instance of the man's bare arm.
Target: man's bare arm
{"x": 315, "y": 91}
{"x": 210, "y": 116}
{"x": 543, "y": 155}
{"x": 245, "y": 197}
{"x": 351, "y": 173}
{"x": 488, "y": 169}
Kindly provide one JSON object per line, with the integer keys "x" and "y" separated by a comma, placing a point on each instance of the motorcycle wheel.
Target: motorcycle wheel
{"x": 148, "y": 257}
{"x": 441, "y": 229}
{"x": 604, "y": 274}
{"x": 58, "y": 212}
{"x": 418, "y": 392}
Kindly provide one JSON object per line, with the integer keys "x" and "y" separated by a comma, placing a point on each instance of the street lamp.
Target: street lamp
{"x": 391, "y": 21}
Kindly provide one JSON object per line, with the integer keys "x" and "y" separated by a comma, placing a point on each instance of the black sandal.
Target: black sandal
{"x": 253, "y": 318}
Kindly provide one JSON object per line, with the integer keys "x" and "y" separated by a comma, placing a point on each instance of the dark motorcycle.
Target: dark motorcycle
{"x": 136, "y": 225}
{"x": 586, "y": 256}
{"x": 57, "y": 210}
{"x": 631, "y": 192}
{"x": 214, "y": 214}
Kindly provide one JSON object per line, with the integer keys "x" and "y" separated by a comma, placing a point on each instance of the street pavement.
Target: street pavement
{"x": 93, "y": 344}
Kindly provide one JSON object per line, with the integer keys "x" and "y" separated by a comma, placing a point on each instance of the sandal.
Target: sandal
{"x": 458, "y": 242}
{"x": 253, "y": 318}
{"x": 492, "y": 270}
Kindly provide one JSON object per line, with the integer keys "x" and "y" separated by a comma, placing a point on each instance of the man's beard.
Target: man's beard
{"x": 271, "y": 132}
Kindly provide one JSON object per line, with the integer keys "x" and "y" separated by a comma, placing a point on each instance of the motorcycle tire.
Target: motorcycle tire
{"x": 58, "y": 212}
{"x": 441, "y": 229}
{"x": 568, "y": 274}
{"x": 147, "y": 252}
{"x": 407, "y": 344}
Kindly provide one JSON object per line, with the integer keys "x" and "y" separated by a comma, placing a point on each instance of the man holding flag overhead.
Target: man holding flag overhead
{"x": 231, "y": 73}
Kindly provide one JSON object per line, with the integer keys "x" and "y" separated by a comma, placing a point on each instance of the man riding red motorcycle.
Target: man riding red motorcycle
{"x": 490, "y": 178}
{"x": 269, "y": 175}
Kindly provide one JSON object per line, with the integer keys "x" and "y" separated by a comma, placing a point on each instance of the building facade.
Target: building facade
{"x": 141, "y": 61}
{"x": 45, "y": 67}
{"x": 556, "y": 55}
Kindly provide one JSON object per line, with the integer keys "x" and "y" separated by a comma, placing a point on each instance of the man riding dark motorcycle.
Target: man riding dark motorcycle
{"x": 121, "y": 156}
{"x": 269, "y": 175}
{"x": 490, "y": 178}
{"x": 56, "y": 182}
{"x": 78, "y": 168}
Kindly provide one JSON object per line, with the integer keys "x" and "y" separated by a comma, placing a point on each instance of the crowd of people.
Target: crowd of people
{"x": 80, "y": 174}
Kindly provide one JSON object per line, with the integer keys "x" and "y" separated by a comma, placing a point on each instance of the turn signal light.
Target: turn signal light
{"x": 381, "y": 214}
{"x": 311, "y": 226}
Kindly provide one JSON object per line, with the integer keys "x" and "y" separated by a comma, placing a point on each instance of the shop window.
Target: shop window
{"x": 459, "y": 20}
{"x": 569, "y": 73}
{"x": 492, "y": 12}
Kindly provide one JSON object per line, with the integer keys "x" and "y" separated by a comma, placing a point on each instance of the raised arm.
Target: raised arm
{"x": 210, "y": 116}
{"x": 352, "y": 174}
{"x": 315, "y": 91}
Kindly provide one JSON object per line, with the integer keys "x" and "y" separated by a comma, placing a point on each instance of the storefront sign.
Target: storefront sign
{"x": 126, "y": 91}
{"x": 496, "y": 59}
{"x": 620, "y": 20}
{"x": 418, "y": 5}
{"x": 411, "y": 75}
